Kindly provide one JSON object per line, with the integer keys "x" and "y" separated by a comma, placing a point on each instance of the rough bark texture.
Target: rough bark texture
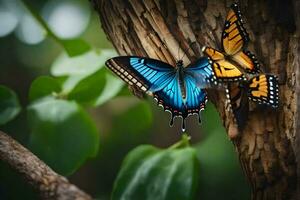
{"x": 49, "y": 184}
{"x": 268, "y": 148}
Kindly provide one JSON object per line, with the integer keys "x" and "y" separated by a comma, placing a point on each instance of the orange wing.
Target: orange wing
{"x": 234, "y": 36}
{"x": 213, "y": 54}
{"x": 223, "y": 70}
{"x": 247, "y": 61}
{"x": 235, "y": 39}
{"x": 264, "y": 90}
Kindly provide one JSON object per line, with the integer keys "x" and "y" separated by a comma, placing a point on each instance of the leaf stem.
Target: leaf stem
{"x": 184, "y": 142}
{"x": 41, "y": 21}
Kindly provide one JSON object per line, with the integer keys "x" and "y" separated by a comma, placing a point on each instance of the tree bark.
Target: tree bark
{"x": 268, "y": 148}
{"x": 49, "y": 184}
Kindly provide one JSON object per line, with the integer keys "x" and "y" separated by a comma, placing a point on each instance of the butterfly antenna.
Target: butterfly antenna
{"x": 178, "y": 49}
{"x": 185, "y": 51}
{"x": 183, "y": 56}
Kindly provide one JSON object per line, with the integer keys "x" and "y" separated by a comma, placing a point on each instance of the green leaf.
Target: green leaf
{"x": 89, "y": 89}
{"x": 75, "y": 47}
{"x": 9, "y": 105}
{"x": 93, "y": 90}
{"x": 43, "y": 86}
{"x": 62, "y": 134}
{"x": 112, "y": 87}
{"x": 85, "y": 78}
{"x": 83, "y": 65}
{"x": 150, "y": 173}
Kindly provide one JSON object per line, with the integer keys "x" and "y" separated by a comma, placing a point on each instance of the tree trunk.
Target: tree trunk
{"x": 268, "y": 148}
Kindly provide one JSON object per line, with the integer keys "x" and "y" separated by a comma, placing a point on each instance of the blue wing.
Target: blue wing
{"x": 144, "y": 73}
{"x": 195, "y": 97}
{"x": 170, "y": 97}
{"x": 202, "y": 72}
{"x": 172, "y": 100}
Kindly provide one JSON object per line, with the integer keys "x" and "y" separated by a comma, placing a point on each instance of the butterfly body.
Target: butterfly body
{"x": 237, "y": 95}
{"x": 175, "y": 88}
{"x": 180, "y": 71}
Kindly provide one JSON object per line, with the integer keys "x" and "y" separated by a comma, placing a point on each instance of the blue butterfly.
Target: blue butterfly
{"x": 178, "y": 89}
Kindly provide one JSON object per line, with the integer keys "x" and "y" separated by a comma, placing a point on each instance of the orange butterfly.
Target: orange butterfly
{"x": 227, "y": 64}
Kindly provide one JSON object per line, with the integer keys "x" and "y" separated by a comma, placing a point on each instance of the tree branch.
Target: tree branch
{"x": 49, "y": 184}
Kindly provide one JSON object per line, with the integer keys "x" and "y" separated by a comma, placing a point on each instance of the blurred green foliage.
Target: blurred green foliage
{"x": 219, "y": 167}
{"x": 62, "y": 129}
{"x": 44, "y": 86}
{"x": 83, "y": 65}
{"x": 89, "y": 88}
{"x": 9, "y": 105}
{"x": 73, "y": 47}
{"x": 151, "y": 173}
{"x": 83, "y": 122}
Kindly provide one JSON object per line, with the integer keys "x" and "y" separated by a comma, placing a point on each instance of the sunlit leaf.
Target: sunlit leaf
{"x": 85, "y": 79}
{"x": 84, "y": 64}
{"x": 62, "y": 134}
{"x": 150, "y": 173}
{"x": 112, "y": 87}
{"x": 75, "y": 47}
{"x": 93, "y": 90}
{"x": 43, "y": 86}
{"x": 70, "y": 82}
{"x": 9, "y": 105}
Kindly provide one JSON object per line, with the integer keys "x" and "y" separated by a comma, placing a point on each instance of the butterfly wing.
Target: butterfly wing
{"x": 201, "y": 71}
{"x": 264, "y": 90}
{"x": 247, "y": 61}
{"x": 154, "y": 76}
{"x": 223, "y": 70}
{"x": 234, "y": 36}
{"x": 171, "y": 98}
{"x": 148, "y": 75}
{"x": 235, "y": 39}
{"x": 239, "y": 103}
{"x": 195, "y": 97}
